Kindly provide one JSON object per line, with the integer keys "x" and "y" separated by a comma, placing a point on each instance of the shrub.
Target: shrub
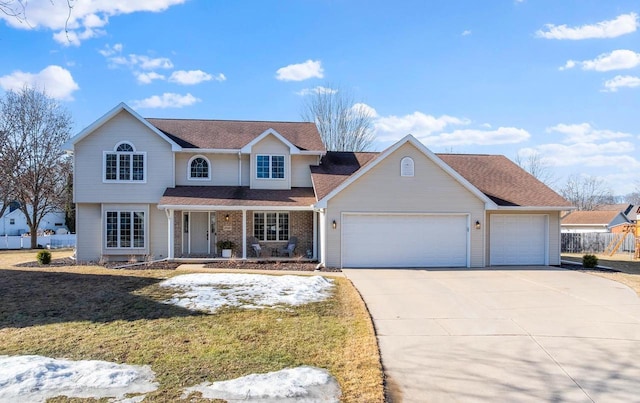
{"x": 589, "y": 261}
{"x": 44, "y": 257}
{"x": 225, "y": 244}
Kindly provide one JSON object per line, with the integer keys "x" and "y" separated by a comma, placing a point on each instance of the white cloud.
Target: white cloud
{"x": 147, "y": 78}
{"x": 148, "y": 63}
{"x": 621, "y": 82}
{"x": 585, "y": 133}
{"x": 166, "y": 100}
{"x": 317, "y": 90}
{"x": 86, "y": 20}
{"x": 301, "y": 71}
{"x": 589, "y": 154}
{"x": 617, "y": 60}
{"x": 463, "y": 137}
{"x": 393, "y": 128}
{"x": 365, "y": 109}
{"x": 111, "y": 50}
{"x": 621, "y": 25}
{"x": 466, "y": 32}
{"x": 56, "y": 81}
{"x": 143, "y": 62}
{"x": 192, "y": 77}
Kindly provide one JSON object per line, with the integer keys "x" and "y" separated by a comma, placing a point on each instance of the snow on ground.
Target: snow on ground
{"x": 302, "y": 384}
{"x": 211, "y": 291}
{"x": 32, "y": 378}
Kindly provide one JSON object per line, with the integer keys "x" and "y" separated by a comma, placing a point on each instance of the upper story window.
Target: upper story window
{"x": 407, "y": 167}
{"x": 270, "y": 166}
{"x": 199, "y": 168}
{"x": 124, "y": 164}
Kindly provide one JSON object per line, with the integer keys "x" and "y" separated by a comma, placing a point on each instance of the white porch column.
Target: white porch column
{"x": 244, "y": 234}
{"x": 315, "y": 235}
{"x": 323, "y": 237}
{"x": 170, "y": 233}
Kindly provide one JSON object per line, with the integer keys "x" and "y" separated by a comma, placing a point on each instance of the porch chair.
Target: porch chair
{"x": 291, "y": 246}
{"x": 254, "y": 245}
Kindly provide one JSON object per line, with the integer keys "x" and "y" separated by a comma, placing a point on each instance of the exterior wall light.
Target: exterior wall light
{"x": 333, "y": 224}
{"x": 477, "y": 224}
{"x": 226, "y": 218}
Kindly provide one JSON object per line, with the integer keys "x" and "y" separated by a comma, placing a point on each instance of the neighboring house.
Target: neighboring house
{"x": 627, "y": 209}
{"x": 171, "y": 188}
{"x": 14, "y": 223}
{"x": 594, "y": 221}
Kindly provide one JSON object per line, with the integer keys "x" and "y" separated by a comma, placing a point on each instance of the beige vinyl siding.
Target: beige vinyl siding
{"x": 382, "y": 189}
{"x": 554, "y": 232}
{"x": 89, "y": 159}
{"x": 88, "y": 232}
{"x": 223, "y": 167}
{"x": 246, "y": 170}
{"x": 300, "y": 172}
{"x": 271, "y": 145}
{"x": 158, "y": 233}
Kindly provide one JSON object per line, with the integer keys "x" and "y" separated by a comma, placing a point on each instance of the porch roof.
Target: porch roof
{"x": 230, "y": 197}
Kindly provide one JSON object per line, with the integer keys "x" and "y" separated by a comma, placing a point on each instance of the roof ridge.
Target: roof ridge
{"x": 230, "y": 120}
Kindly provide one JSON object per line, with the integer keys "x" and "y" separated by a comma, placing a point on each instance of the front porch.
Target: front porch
{"x": 255, "y": 235}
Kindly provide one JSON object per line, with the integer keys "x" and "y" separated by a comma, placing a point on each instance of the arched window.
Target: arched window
{"x": 407, "y": 167}
{"x": 199, "y": 168}
{"x": 124, "y": 164}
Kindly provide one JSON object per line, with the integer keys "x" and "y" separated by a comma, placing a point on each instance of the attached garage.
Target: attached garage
{"x": 519, "y": 239}
{"x": 405, "y": 240}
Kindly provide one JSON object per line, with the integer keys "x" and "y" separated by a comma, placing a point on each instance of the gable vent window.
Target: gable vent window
{"x": 124, "y": 164}
{"x": 199, "y": 168}
{"x": 407, "y": 167}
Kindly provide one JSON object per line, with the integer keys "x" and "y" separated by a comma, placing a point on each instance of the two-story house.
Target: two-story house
{"x": 172, "y": 188}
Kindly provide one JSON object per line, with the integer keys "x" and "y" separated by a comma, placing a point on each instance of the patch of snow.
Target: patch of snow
{"x": 35, "y": 378}
{"x": 300, "y": 385}
{"x": 211, "y": 291}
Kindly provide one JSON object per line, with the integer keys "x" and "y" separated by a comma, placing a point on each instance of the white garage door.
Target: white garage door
{"x": 406, "y": 240}
{"x": 518, "y": 239}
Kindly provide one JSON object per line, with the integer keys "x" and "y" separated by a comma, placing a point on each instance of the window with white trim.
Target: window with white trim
{"x": 124, "y": 229}
{"x": 270, "y": 166}
{"x": 199, "y": 168}
{"x": 124, "y": 164}
{"x": 271, "y": 226}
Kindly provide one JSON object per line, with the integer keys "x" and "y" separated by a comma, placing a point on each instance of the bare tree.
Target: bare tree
{"x": 343, "y": 123}
{"x": 34, "y": 127}
{"x": 537, "y": 166}
{"x": 586, "y": 192}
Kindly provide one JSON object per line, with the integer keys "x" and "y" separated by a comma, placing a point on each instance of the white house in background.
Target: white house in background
{"x": 171, "y": 188}
{"x": 14, "y": 223}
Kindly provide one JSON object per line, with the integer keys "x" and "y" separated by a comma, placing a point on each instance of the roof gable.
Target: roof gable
{"x": 108, "y": 116}
{"x": 380, "y": 157}
{"x": 270, "y": 132}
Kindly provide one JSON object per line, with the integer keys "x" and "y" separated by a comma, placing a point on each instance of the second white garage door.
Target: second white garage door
{"x": 518, "y": 239}
{"x": 404, "y": 240}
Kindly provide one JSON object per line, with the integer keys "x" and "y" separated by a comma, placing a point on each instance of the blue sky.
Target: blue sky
{"x": 560, "y": 78}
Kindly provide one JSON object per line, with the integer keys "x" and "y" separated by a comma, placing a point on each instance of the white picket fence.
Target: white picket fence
{"x": 47, "y": 241}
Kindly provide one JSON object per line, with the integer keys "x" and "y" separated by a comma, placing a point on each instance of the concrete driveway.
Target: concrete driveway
{"x": 508, "y": 334}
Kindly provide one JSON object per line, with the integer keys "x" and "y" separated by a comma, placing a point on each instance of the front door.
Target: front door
{"x": 199, "y": 233}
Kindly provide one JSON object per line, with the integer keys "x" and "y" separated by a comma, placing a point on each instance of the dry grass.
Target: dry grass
{"x": 629, "y": 268}
{"x": 88, "y": 312}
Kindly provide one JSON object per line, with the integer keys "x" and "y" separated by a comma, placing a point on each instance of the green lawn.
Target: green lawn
{"x": 88, "y": 312}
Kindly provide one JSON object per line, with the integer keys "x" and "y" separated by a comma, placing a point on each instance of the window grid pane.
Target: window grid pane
{"x": 138, "y": 167}
{"x": 125, "y": 229}
{"x": 112, "y": 229}
{"x": 125, "y": 147}
{"x": 111, "y": 167}
{"x": 199, "y": 168}
{"x": 125, "y": 167}
{"x": 138, "y": 229}
{"x": 277, "y": 166}
{"x": 283, "y": 223}
{"x": 262, "y": 166}
{"x": 272, "y": 227}
{"x": 258, "y": 226}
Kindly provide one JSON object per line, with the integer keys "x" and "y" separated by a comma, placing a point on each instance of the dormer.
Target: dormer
{"x": 270, "y": 156}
